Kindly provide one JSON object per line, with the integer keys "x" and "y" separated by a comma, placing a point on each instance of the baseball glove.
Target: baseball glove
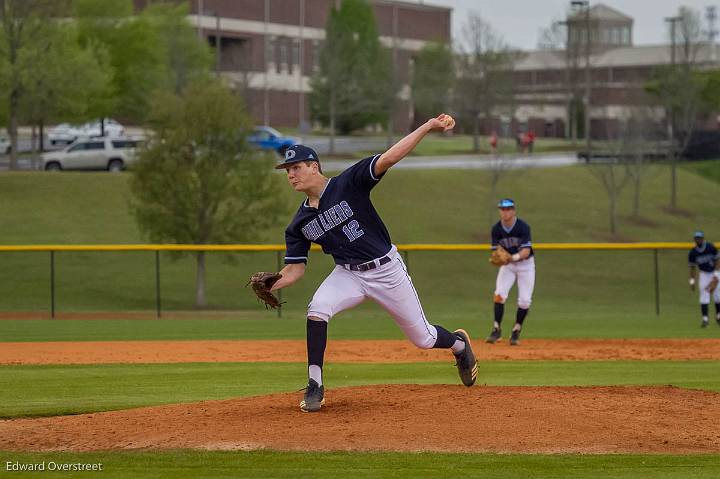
{"x": 500, "y": 256}
{"x": 713, "y": 284}
{"x": 261, "y": 284}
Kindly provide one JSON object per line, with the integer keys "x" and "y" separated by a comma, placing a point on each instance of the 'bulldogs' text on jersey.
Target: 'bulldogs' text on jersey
{"x": 513, "y": 239}
{"x": 704, "y": 258}
{"x": 345, "y": 223}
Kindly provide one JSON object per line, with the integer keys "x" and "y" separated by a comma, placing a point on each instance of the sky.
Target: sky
{"x": 519, "y": 21}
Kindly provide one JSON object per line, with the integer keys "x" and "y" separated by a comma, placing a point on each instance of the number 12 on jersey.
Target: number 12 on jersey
{"x": 352, "y": 230}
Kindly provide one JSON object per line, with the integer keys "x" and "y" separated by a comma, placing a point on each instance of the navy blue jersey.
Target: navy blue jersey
{"x": 513, "y": 239}
{"x": 704, "y": 258}
{"x": 345, "y": 223}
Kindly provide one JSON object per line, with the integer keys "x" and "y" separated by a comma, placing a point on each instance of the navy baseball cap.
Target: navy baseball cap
{"x": 506, "y": 203}
{"x": 699, "y": 234}
{"x": 298, "y": 153}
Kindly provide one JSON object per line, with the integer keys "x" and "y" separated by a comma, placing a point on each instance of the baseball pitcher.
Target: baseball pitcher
{"x": 338, "y": 215}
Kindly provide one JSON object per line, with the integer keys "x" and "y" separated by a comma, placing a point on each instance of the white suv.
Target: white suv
{"x": 66, "y": 133}
{"x": 111, "y": 154}
{"x": 4, "y": 146}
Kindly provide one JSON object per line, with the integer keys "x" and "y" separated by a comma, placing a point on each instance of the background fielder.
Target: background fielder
{"x": 339, "y": 216}
{"x": 705, "y": 257}
{"x": 513, "y": 234}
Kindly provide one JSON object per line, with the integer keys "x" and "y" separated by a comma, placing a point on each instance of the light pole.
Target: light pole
{"x": 671, "y": 115}
{"x": 218, "y": 42}
{"x": 585, "y": 5}
{"x": 200, "y": 14}
{"x": 673, "y": 48}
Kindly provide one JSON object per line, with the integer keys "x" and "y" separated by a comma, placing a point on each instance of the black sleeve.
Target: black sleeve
{"x": 691, "y": 258}
{"x": 526, "y": 237}
{"x": 495, "y": 237}
{"x": 361, "y": 175}
{"x": 296, "y": 246}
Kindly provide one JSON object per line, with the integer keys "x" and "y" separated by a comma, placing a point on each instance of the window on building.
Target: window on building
{"x": 295, "y": 60}
{"x": 282, "y": 62}
{"x": 269, "y": 52}
{"x": 626, "y": 36}
{"x": 316, "y": 55}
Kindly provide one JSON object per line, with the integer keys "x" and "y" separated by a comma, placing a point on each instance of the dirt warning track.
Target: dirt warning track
{"x": 350, "y": 351}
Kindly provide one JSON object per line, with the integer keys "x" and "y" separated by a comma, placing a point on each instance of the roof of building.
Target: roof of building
{"x": 645, "y": 55}
{"x": 603, "y": 12}
{"x": 414, "y": 5}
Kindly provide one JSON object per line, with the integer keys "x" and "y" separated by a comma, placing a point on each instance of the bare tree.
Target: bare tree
{"x": 640, "y": 146}
{"x": 555, "y": 39}
{"x": 614, "y": 176}
{"x": 679, "y": 87}
{"x": 484, "y": 74}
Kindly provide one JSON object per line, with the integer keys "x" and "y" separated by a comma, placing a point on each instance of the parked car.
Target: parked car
{"x": 268, "y": 138}
{"x": 66, "y": 133}
{"x": 111, "y": 154}
{"x": 4, "y": 146}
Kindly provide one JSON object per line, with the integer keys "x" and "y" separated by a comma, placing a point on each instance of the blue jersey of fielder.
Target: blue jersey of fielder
{"x": 513, "y": 239}
{"x": 345, "y": 223}
{"x": 704, "y": 258}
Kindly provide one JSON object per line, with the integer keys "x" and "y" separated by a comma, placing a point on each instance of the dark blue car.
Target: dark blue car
{"x": 267, "y": 138}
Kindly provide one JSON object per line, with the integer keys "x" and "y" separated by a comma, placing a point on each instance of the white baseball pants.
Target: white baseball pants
{"x": 389, "y": 285}
{"x": 704, "y": 279}
{"x": 524, "y": 273}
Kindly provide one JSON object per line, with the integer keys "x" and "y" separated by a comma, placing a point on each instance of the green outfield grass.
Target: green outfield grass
{"x": 364, "y": 322}
{"x": 434, "y": 206}
{"x": 73, "y": 389}
{"x": 200, "y": 464}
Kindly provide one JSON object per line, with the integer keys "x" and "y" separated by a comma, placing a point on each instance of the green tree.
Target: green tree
{"x": 51, "y": 74}
{"x": 22, "y": 24}
{"x": 350, "y": 89}
{"x": 156, "y": 49}
{"x": 197, "y": 182}
{"x": 433, "y": 79}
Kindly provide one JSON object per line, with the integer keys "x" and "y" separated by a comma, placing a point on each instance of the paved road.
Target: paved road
{"x": 455, "y": 162}
{"x": 472, "y": 162}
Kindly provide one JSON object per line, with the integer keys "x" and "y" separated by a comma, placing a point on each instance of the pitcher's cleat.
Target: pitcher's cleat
{"x": 515, "y": 338}
{"x": 465, "y": 360}
{"x": 314, "y": 397}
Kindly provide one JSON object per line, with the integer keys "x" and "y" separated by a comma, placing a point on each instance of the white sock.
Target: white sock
{"x": 705, "y": 319}
{"x": 496, "y": 325}
{"x": 517, "y": 327}
{"x": 315, "y": 372}
{"x": 458, "y": 347}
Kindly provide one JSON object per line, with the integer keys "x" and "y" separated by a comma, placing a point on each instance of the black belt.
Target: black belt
{"x": 369, "y": 265}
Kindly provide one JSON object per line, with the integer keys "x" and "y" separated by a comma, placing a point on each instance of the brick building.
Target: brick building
{"x": 619, "y": 72}
{"x": 270, "y": 48}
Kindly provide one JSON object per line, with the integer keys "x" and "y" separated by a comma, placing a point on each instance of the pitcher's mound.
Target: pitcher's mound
{"x": 402, "y": 418}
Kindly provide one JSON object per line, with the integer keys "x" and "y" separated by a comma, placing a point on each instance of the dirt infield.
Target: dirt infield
{"x": 356, "y": 351}
{"x": 402, "y": 418}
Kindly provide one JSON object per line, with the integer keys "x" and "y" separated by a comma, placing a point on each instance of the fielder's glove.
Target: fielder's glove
{"x": 500, "y": 256}
{"x": 712, "y": 285}
{"x": 261, "y": 284}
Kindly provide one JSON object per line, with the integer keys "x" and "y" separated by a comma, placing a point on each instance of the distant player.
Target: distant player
{"x": 338, "y": 215}
{"x": 512, "y": 234}
{"x": 705, "y": 257}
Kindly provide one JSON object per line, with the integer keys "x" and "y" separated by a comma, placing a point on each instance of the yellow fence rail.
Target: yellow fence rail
{"x": 280, "y": 247}
{"x": 405, "y": 249}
